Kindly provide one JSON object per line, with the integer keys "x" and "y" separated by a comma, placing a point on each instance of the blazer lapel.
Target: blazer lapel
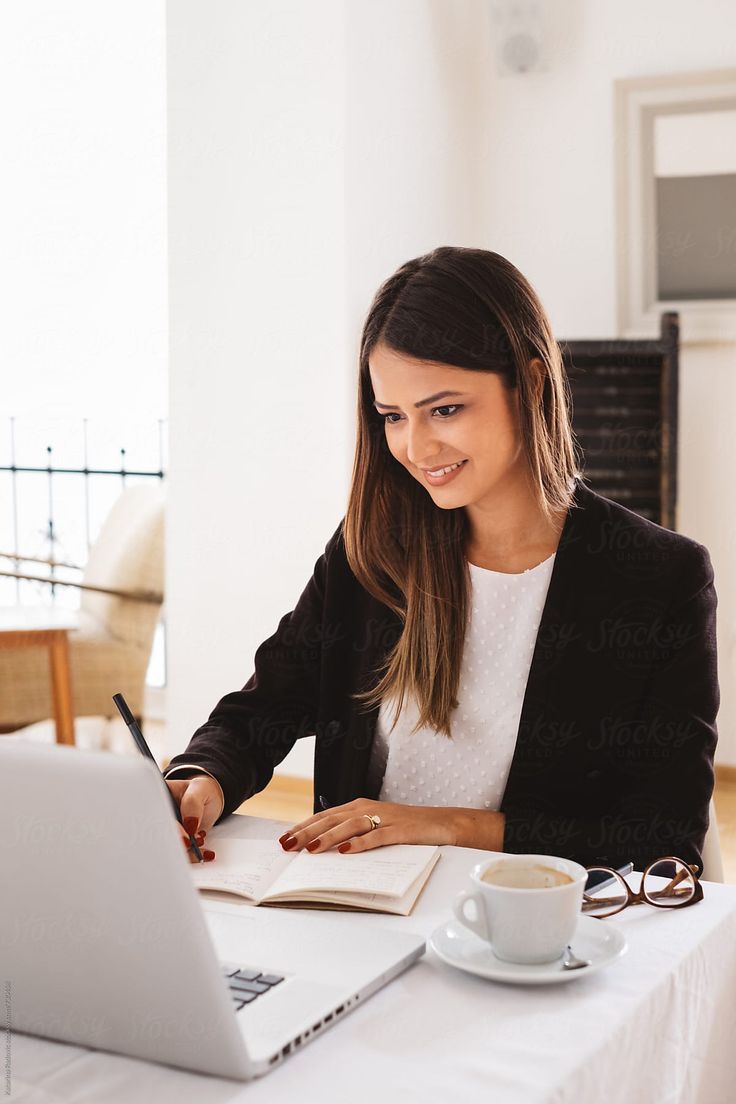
{"x": 559, "y": 627}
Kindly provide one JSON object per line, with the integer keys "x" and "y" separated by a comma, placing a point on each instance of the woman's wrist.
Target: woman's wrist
{"x": 190, "y": 770}
{"x": 479, "y": 828}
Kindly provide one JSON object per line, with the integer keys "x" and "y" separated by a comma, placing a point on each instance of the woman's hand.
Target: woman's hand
{"x": 347, "y": 827}
{"x": 200, "y": 804}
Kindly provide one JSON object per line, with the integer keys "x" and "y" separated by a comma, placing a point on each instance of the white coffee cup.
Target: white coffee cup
{"x": 528, "y": 910}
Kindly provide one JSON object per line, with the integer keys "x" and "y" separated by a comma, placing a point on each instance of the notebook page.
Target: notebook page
{"x": 388, "y": 870}
{"x": 367, "y": 902}
{"x": 242, "y": 866}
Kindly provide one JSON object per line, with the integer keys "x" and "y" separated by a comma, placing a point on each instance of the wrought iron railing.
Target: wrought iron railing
{"x": 17, "y": 540}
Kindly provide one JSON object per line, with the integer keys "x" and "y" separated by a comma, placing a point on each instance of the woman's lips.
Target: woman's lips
{"x": 440, "y": 480}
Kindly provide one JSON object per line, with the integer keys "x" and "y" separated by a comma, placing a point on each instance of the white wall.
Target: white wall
{"x": 262, "y": 382}
{"x": 550, "y": 155}
{"x": 83, "y": 328}
{"x": 313, "y": 148}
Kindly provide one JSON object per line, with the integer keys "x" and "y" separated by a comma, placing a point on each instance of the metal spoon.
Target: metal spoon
{"x": 572, "y": 962}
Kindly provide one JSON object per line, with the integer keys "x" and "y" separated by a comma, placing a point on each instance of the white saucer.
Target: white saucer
{"x": 595, "y": 940}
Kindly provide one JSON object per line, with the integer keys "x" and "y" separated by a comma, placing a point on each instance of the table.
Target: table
{"x": 31, "y": 626}
{"x": 656, "y": 1025}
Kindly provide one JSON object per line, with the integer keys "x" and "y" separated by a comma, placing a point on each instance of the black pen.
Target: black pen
{"x": 145, "y": 750}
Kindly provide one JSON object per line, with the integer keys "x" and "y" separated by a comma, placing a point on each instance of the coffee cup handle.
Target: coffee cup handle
{"x": 478, "y": 924}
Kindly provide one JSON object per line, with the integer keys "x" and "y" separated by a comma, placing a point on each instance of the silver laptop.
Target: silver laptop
{"x": 105, "y": 943}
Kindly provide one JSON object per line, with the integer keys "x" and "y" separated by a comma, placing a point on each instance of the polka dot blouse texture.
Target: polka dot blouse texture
{"x": 471, "y": 769}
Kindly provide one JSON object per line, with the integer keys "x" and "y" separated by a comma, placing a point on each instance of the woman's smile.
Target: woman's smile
{"x": 446, "y": 476}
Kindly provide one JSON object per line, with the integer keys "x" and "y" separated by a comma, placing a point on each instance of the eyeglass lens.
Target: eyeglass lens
{"x": 604, "y": 892}
{"x": 668, "y": 882}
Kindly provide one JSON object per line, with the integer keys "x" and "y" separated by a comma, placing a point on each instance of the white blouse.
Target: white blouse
{"x": 471, "y": 769}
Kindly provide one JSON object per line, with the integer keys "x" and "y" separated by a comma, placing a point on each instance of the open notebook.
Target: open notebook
{"x": 384, "y": 879}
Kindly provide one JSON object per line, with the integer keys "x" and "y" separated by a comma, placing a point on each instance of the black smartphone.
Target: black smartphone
{"x": 599, "y": 879}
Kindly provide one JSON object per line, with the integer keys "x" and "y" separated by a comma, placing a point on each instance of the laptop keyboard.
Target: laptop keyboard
{"x": 246, "y": 983}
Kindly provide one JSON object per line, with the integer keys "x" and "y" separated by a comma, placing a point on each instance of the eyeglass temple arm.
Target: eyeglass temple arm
{"x": 689, "y": 872}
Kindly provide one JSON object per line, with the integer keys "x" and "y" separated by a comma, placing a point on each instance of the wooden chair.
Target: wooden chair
{"x": 110, "y": 645}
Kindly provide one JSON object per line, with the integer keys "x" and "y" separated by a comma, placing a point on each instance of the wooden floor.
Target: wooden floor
{"x": 725, "y": 799}
{"x": 284, "y": 799}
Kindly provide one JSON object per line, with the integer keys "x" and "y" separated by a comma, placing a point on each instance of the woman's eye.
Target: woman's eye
{"x": 453, "y": 407}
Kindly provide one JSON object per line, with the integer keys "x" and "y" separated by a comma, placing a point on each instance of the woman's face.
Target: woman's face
{"x": 477, "y": 424}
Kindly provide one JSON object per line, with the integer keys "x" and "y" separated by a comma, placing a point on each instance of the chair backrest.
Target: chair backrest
{"x": 712, "y": 858}
{"x": 128, "y": 554}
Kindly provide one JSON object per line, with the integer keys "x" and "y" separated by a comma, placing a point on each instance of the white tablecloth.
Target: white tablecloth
{"x": 656, "y": 1025}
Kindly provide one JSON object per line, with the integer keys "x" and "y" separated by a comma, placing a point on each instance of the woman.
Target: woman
{"x": 491, "y": 654}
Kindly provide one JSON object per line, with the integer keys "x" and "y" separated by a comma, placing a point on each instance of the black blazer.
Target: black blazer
{"x": 614, "y": 753}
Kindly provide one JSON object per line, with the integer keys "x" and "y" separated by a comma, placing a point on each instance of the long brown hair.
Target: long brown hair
{"x": 472, "y": 309}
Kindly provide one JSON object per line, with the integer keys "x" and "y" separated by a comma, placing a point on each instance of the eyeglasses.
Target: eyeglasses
{"x": 666, "y": 883}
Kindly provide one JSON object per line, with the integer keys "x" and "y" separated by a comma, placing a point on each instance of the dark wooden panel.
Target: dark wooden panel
{"x": 624, "y": 413}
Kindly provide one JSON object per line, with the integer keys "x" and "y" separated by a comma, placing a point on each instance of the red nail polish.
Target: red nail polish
{"x": 344, "y": 847}
{"x": 190, "y": 824}
{"x": 288, "y": 843}
{"x": 313, "y": 845}
{"x": 208, "y": 856}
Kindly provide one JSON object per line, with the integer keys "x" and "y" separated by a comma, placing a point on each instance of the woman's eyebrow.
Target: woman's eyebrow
{"x": 423, "y": 402}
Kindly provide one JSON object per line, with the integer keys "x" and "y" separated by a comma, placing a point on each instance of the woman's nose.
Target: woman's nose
{"x": 421, "y": 450}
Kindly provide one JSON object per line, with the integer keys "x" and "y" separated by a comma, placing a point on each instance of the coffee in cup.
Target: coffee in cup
{"x": 525, "y": 906}
{"x": 535, "y": 876}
